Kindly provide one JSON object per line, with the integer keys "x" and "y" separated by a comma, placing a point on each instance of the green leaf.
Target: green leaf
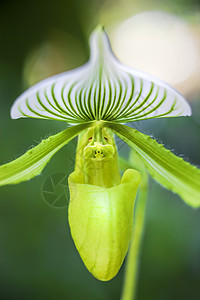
{"x": 102, "y": 89}
{"x": 169, "y": 170}
{"x": 34, "y": 160}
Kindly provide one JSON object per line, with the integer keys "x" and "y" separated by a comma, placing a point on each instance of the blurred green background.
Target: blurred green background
{"x": 38, "y": 259}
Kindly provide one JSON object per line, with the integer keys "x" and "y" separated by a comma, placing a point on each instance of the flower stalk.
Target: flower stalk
{"x": 133, "y": 258}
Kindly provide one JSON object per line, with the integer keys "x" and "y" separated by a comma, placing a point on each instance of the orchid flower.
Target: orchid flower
{"x": 96, "y": 100}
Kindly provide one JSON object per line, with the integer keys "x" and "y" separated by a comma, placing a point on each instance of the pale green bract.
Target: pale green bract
{"x": 98, "y": 97}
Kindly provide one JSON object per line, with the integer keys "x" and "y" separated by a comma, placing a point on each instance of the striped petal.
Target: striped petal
{"x": 102, "y": 89}
{"x": 34, "y": 160}
{"x": 168, "y": 169}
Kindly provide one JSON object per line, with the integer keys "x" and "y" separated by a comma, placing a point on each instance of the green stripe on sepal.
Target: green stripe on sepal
{"x": 102, "y": 89}
{"x": 169, "y": 170}
{"x": 34, "y": 160}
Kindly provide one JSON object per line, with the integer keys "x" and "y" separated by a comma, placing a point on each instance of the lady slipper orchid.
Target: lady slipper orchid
{"x": 98, "y": 97}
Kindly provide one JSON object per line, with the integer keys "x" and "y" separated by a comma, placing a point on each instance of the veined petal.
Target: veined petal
{"x": 169, "y": 170}
{"x": 102, "y": 89}
{"x": 34, "y": 160}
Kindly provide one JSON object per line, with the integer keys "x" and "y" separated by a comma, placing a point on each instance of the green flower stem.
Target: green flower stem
{"x": 131, "y": 275}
